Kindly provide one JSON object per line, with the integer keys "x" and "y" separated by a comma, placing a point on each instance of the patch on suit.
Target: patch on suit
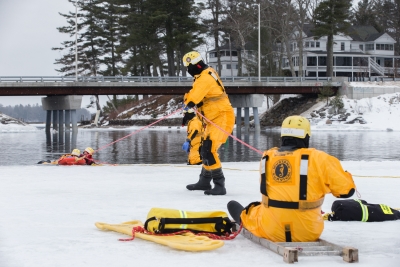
{"x": 282, "y": 171}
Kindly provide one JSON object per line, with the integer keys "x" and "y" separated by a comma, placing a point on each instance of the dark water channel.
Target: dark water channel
{"x": 161, "y": 146}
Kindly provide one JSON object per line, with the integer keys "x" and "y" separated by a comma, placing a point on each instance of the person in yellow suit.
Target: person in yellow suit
{"x": 293, "y": 182}
{"x": 208, "y": 94}
{"x": 192, "y": 144}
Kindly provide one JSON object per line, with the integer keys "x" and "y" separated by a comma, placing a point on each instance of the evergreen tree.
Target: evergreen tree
{"x": 109, "y": 32}
{"x": 331, "y": 17}
{"x": 89, "y": 48}
{"x": 364, "y": 14}
{"x": 214, "y": 26}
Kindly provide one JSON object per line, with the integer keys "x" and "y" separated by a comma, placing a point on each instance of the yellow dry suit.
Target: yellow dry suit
{"x": 293, "y": 185}
{"x": 212, "y": 101}
{"x": 194, "y": 134}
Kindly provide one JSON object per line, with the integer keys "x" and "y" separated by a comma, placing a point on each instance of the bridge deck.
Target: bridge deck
{"x": 155, "y": 88}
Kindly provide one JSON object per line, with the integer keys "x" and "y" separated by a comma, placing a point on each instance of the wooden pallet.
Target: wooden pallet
{"x": 290, "y": 251}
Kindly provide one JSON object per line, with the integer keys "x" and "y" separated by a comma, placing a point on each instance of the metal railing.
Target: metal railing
{"x": 146, "y": 79}
{"x": 373, "y": 79}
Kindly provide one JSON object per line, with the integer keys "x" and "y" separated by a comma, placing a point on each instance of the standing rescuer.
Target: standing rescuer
{"x": 293, "y": 182}
{"x": 208, "y": 94}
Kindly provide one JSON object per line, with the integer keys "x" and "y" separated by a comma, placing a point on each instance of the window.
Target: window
{"x": 312, "y": 44}
{"x": 369, "y": 47}
{"x": 234, "y": 53}
{"x": 321, "y": 61}
{"x": 388, "y": 62}
{"x": 360, "y": 61}
{"x": 316, "y": 44}
{"x": 343, "y": 61}
{"x": 311, "y": 61}
{"x": 213, "y": 54}
{"x": 388, "y": 47}
{"x": 361, "y": 47}
{"x": 307, "y": 44}
{"x": 342, "y": 46}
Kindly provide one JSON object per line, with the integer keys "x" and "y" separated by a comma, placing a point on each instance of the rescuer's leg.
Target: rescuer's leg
{"x": 204, "y": 182}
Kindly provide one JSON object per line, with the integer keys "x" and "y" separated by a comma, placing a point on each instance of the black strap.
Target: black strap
{"x": 146, "y": 223}
{"x": 303, "y": 182}
{"x": 263, "y": 184}
{"x": 222, "y": 225}
{"x": 288, "y": 234}
{"x": 194, "y": 135}
{"x": 283, "y": 204}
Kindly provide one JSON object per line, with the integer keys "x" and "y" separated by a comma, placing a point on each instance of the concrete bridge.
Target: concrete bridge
{"x": 64, "y": 94}
{"x": 25, "y": 86}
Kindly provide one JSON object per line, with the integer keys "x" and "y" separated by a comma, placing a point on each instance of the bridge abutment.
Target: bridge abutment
{"x": 246, "y": 102}
{"x": 62, "y": 109}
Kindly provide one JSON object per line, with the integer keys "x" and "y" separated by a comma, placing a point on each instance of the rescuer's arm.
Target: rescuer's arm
{"x": 339, "y": 181}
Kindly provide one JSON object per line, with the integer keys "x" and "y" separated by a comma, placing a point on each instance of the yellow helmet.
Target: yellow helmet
{"x": 76, "y": 152}
{"x": 192, "y": 57}
{"x": 296, "y": 126}
{"x": 89, "y": 150}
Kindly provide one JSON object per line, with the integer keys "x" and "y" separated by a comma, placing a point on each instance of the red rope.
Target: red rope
{"x": 234, "y": 137}
{"x": 140, "y": 229}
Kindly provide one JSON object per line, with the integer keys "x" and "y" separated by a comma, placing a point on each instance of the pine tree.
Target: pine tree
{"x": 89, "y": 46}
{"x": 331, "y": 17}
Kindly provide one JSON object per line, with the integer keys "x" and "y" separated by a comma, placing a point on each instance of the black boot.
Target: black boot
{"x": 219, "y": 183}
{"x": 204, "y": 182}
{"x": 235, "y": 209}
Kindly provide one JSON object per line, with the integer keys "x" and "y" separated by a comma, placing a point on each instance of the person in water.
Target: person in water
{"x": 75, "y": 154}
{"x": 88, "y": 156}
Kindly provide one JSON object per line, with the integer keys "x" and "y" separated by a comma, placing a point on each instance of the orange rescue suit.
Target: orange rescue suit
{"x": 293, "y": 186}
{"x": 209, "y": 95}
{"x": 194, "y": 134}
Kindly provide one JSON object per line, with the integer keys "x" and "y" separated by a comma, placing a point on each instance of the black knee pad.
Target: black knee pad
{"x": 206, "y": 155}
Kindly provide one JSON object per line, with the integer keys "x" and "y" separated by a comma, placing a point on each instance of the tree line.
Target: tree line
{"x": 35, "y": 113}
{"x": 149, "y": 37}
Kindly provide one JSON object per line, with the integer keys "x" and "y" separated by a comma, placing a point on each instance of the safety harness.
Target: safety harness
{"x": 216, "y": 98}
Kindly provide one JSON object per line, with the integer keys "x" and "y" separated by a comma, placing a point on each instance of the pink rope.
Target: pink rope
{"x": 147, "y": 126}
{"x": 234, "y": 137}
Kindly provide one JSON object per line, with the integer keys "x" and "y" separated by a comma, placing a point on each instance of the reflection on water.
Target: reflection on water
{"x": 164, "y": 146}
{"x": 61, "y": 142}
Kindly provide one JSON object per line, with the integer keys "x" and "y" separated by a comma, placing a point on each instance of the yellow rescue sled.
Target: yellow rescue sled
{"x": 186, "y": 241}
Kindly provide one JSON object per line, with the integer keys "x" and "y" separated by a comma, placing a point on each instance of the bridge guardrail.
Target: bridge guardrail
{"x": 249, "y": 79}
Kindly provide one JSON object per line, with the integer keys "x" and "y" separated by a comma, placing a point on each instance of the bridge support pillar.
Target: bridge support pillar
{"x": 48, "y": 121}
{"x": 57, "y": 105}
{"x": 256, "y": 119}
{"x": 67, "y": 120}
{"x": 238, "y": 119}
{"x": 247, "y": 101}
{"x": 246, "y": 119}
{"x": 55, "y": 120}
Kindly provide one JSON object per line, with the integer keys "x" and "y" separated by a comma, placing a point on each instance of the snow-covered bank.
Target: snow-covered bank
{"x": 379, "y": 113}
{"x": 48, "y": 215}
{"x": 11, "y": 125}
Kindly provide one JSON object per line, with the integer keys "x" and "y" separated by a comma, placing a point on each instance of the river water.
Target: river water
{"x": 163, "y": 146}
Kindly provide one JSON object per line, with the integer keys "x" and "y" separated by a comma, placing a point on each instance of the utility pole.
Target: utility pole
{"x": 76, "y": 40}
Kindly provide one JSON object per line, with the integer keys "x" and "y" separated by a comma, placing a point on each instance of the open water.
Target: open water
{"x": 163, "y": 146}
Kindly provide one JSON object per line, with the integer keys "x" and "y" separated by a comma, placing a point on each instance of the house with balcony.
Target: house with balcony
{"x": 229, "y": 59}
{"x": 364, "y": 52}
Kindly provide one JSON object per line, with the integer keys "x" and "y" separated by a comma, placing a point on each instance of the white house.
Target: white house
{"x": 229, "y": 64}
{"x": 364, "y": 52}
